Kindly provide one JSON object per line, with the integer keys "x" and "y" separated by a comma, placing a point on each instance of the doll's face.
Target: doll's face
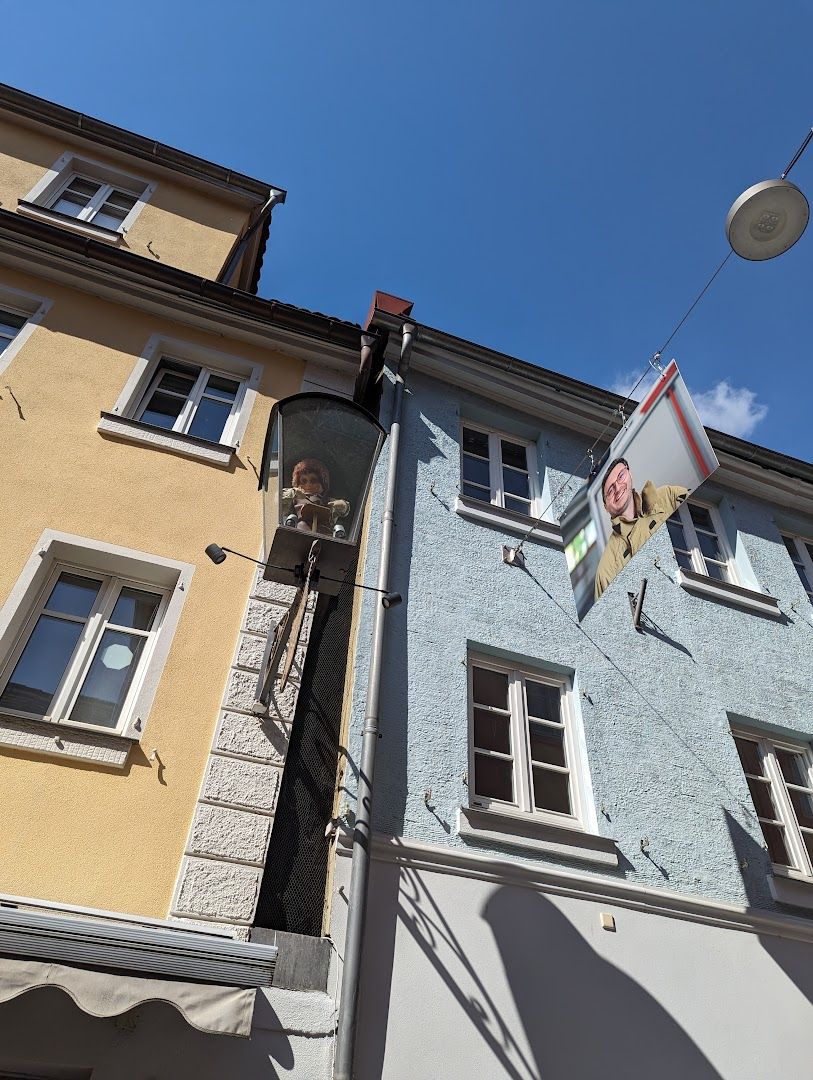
{"x": 311, "y": 483}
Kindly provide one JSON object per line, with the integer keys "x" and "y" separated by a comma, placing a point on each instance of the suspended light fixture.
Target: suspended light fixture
{"x": 768, "y": 218}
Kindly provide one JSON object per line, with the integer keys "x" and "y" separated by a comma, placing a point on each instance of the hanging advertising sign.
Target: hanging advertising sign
{"x": 654, "y": 463}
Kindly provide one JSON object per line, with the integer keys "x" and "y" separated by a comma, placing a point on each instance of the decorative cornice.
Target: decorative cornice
{"x": 442, "y": 859}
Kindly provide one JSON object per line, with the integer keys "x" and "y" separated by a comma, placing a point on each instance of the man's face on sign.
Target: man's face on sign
{"x": 618, "y": 490}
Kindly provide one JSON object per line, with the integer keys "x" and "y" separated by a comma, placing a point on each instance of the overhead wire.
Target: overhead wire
{"x": 655, "y": 363}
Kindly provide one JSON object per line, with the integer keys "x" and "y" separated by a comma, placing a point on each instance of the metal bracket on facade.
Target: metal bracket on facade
{"x": 637, "y": 605}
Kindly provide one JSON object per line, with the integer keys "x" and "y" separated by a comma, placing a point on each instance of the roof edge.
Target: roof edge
{"x": 42, "y": 111}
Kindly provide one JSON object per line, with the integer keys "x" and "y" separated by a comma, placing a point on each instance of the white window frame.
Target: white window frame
{"x": 194, "y": 398}
{"x": 523, "y": 804}
{"x": 38, "y": 201}
{"x": 123, "y": 420}
{"x": 766, "y": 747}
{"x": 95, "y": 624}
{"x": 497, "y": 493}
{"x": 32, "y": 308}
{"x": 118, "y": 567}
{"x": 803, "y": 556}
{"x": 689, "y": 531}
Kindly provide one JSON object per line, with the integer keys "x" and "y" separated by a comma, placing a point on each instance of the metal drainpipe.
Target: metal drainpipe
{"x": 362, "y": 832}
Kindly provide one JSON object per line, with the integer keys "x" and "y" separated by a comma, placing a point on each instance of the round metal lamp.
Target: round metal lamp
{"x": 767, "y": 220}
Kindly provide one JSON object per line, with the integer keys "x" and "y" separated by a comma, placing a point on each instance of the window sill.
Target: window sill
{"x": 65, "y": 741}
{"x": 526, "y": 833}
{"x": 790, "y": 887}
{"x": 65, "y": 221}
{"x": 507, "y": 520}
{"x": 121, "y": 427}
{"x": 728, "y": 593}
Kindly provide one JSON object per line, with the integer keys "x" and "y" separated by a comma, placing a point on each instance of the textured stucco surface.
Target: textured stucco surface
{"x": 655, "y": 707}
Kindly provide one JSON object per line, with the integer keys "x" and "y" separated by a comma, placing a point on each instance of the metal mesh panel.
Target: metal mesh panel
{"x": 292, "y": 893}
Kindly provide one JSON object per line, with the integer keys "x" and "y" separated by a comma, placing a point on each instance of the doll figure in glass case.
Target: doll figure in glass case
{"x": 305, "y": 504}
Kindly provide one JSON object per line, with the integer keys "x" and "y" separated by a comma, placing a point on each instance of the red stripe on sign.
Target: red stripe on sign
{"x": 687, "y": 431}
{"x": 659, "y": 388}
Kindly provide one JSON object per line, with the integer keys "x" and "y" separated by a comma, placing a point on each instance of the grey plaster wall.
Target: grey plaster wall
{"x": 470, "y": 978}
{"x": 657, "y": 708}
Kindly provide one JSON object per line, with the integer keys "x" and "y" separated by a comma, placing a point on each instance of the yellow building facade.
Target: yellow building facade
{"x": 135, "y": 390}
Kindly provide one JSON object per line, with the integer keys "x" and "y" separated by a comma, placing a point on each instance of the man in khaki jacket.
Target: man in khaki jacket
{"x": 634, "y": 517}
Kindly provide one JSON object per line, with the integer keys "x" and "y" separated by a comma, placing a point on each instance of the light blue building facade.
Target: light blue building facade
{"x": 590, "y": 853}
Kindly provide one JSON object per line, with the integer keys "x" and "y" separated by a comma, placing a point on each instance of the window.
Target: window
{"x": 780, "y": 779}
{"x": 801, "y": 553}
{"x": 87, "y": 196}
{"x": 498, "y": 469}
{"x": 83, "y": 649}
{"x": 184, "y": 397}
{"x": 191, "y": 400}
{"x": 699, "y": 542}
{"x": 84, "y": 636}
{"x": 91, "y": 200}
{"x": 10, "y": 325}
{"x": 522, "y": 743}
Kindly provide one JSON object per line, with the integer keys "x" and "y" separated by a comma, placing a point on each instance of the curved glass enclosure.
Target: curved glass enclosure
{"x": 317, "y": 467}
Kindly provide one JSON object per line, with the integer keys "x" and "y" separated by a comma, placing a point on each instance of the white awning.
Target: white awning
{"x": 218, "y": 1010}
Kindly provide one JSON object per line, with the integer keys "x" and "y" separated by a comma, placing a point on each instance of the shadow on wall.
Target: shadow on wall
{"x": 584, "y": 1019}
{"x": 794, "y": 957}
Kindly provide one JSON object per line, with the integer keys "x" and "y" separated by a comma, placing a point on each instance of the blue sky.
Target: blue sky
{"x": 550, "y": 179}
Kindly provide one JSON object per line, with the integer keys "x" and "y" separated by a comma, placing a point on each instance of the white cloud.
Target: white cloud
{"x": 733, "y": 409}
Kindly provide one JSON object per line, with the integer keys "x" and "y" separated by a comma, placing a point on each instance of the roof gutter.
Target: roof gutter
{"x": 263, "y": 218}
{"x": 362, "y": 830}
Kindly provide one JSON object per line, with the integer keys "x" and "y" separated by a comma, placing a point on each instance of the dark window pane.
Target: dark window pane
{"x": 11, "y": 323}
{"x": 226, "y": 389}
{"x": 805, "y": 580}
{"x": 543, "y": 701}
{"x": 519, "y": 506}
{"x": 808, "y": 842}
{"x": 809, "y": 549}
{"x": 701, "y": 517}
{"x": 716, "y": 570}
{"x": 482, "y": 494}
{"x": 83, "y": 187}
{"x": 803, "y": 805}
{"x": 493, "y": 778}
{"x": 73, "y": 595}
{"x": 749, "y": 756}
{"x": 710, "y": 546}
{"x": 551, "y": 791}
{"x": 475, "y": 442}
{"x": 109, "y": 217}
{"x": 39, "y": 670}
{"x": 492, "y": 732}
{"x": 177, "y": 381}
{"x": 476, "y": 471}
{"x": 516, "y": 483}
{"x": 163, "y": 410}
{"x": 684, "y": 560}
{"x": 547, "y": 744}
{"x": 514, "y": 454}
{"x": 135, "y": 608}
{"x": 793, "y": 767}
{"x": 761, "y": 794}
{"x": 490, "y": 687}
{"x": 210, "y": 419}
{"x": 122, "y": 201}
{"x": 790, "y": 544}
{"x": 70, "y": 204}
{"x": 775, "y": 839}
{"x": 108, "y": 679}
{"x": 676, "y": 533}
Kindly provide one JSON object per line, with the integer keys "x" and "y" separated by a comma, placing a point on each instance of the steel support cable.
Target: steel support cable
{"x": 654, "y": 362}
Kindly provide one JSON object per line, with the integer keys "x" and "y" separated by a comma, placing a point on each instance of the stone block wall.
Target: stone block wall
{"x": 222, "y": 867}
